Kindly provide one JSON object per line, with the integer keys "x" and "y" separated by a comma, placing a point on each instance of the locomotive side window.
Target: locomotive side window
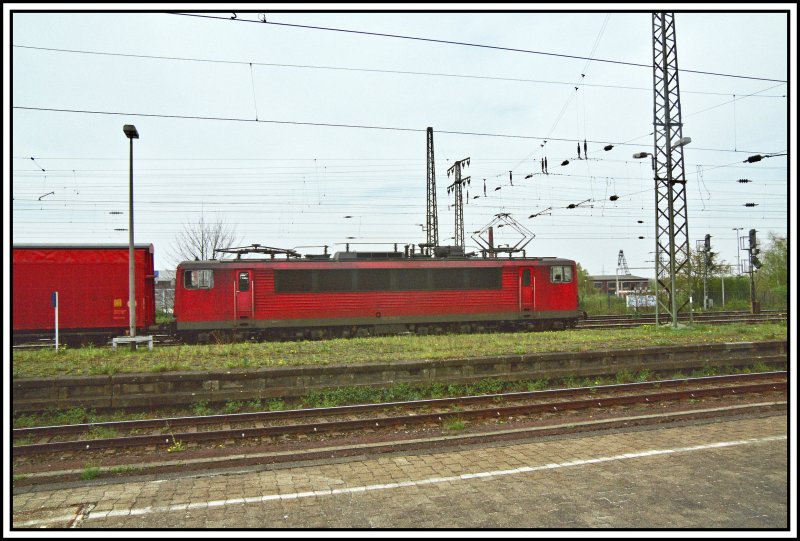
{"x": 526, "y": 277}
{"x": 244, "y": 281}
{"x": 335, "y": 280}
{"x": 198, "y": 279}
{"x": 374, "y": 279}
{"x": 560, "y": 275}
{"x": 412, "y": 279}
{"x": 293, "y": 281}
{"x": 482, "y": 279}
{"x": 324, "y": 281}
{"x": 448, "y": 278}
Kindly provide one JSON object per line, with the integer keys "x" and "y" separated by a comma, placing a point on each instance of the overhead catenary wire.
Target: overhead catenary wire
{"x": 467, "y": 44}
{"x": 326, "y": 124}
{"x": 583, "y": 73}
{"x": 382, "y": 71}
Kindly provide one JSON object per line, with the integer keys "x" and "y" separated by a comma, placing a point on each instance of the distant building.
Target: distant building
{"x": 165, "y": 290}
{"x": 628, "y": 283}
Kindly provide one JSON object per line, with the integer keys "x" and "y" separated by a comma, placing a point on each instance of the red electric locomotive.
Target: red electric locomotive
{"x": 360, "y": 294}
{"x": 92, "y": 285}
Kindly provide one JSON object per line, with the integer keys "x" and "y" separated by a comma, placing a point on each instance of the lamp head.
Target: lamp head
{"x": 130, "y": 131}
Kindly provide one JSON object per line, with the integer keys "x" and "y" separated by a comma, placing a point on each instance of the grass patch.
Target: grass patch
{"x": 104, "y": 369}
{"x": 80, "y": 416}
{"x": 455, "y": 424}
{"x": 72, "y": 416}
{"x": 386, "y": 349}
{"x": 99, "y": 433}
{"x": 232, "y": 407}
{"x": 538, "y": 385}
{"x": 90, "y": 472}
{"x": 27, "y": 440}
{"x": 176, "y": 447}
{"x": 276, "y": 404}
{"x": 169, "y": 366}
{"x": 707, "y": 371}
{"x": 201, "y": 408}
{"x": 400, "y": 392}
{"x": 122, "y": 470}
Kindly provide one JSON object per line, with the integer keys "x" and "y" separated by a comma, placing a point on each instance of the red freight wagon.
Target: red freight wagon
{"x": 346, "y": 296}
{"x": 92, "y": 286}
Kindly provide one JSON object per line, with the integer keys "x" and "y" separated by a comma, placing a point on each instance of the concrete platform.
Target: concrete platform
{"x": 721, "y": 475}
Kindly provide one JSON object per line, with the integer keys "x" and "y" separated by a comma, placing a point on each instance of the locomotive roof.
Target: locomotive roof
{"x": 392, "y": 262}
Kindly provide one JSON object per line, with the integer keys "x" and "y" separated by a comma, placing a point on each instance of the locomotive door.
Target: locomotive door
{"x": 243, "y": 295}
{"x": 527, "y": 286}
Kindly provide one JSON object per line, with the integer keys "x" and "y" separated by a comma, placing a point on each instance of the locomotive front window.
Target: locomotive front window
{"x": 559, "y": 275}
{"x": 198, "y": 279}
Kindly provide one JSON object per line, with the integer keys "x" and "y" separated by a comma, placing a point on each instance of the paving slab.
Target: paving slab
{"x": 730, "y": 474}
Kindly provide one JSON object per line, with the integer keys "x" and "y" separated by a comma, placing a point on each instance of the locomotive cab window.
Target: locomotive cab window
{"x": 198, "y": 279}
{"x": 559, "y": 275}
{"x": 526, "y": 277}
{"x": 244, "y": 281}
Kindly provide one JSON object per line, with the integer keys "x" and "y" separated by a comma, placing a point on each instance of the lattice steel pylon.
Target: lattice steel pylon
{"x": 459, "y": 200}
{"x": 672, "y": 225}
{"x": 432, "y": 219}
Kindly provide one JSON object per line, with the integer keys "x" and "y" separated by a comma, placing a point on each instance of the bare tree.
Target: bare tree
{"x": 200, "y": 240}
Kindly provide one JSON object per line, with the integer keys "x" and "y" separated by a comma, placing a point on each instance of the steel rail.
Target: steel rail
{"x": 244, "y": 434}
{"x": 265, "y": 416}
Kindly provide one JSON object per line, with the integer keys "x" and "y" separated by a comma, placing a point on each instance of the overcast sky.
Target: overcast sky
{"x": 235, "y": 121}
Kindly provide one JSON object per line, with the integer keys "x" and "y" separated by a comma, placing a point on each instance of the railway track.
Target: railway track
{"x": 237, "y": 431}
{"x": 593, "y": 322}
{"x": 708, "y": 318}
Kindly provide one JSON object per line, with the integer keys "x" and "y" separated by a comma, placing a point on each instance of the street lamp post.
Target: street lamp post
{"x": 131, "y": 134}
{"x": 657, "y": 257}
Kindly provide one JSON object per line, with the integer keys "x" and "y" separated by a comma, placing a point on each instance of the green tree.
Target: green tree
{"x": 772, "y": 278}
{"x": 585, "y": 286}
{"x": 705, "y": 266}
